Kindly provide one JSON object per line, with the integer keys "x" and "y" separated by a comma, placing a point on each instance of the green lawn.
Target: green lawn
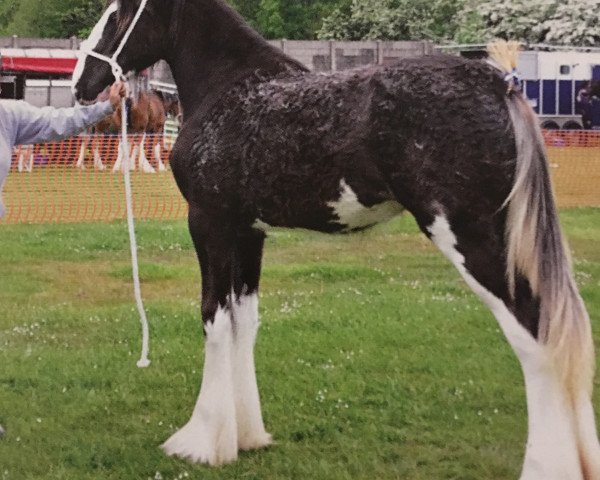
{"x": 374, "y": 360}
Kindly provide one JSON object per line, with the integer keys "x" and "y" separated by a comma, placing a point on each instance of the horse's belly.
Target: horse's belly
{"x": 350, "y": 214}
{"x": 343, "y": 211}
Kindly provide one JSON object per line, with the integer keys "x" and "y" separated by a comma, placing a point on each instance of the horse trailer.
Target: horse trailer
{"x": 551, "y": 82}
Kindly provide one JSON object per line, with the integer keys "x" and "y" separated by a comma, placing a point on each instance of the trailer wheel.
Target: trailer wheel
{"x": 550, "y": 125}
{"x": 572, "y": 125}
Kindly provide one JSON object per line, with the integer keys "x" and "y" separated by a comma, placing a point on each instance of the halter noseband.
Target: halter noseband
{"x": 112, "y": 61}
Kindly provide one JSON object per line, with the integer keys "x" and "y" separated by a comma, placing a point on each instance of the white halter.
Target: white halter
{"x": 112, "y": 61}
{"x": 118, "y": 74}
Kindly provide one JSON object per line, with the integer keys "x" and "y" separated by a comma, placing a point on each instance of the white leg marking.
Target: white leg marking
{"x": 551, "y": 446}
{"x": 145, "y": 165}
{"x": 588, "y": 436}
{"x": 251, "y": 430}
{"x": 81, "y": 158}
{"x": 133, "y": 157}
{"x": 30, "y": 158}
{"x": 98, "y": 165}
{"x": 211, "y": 434}
{"x": 119, "y": 162}
{"x": 20, "y": 165}
{"x": 157, "y": 156}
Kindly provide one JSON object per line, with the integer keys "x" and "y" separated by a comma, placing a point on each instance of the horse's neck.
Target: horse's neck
{"x": 218, "y": 50}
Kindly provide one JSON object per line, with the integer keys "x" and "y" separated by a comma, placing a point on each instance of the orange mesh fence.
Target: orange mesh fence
{"x": 574, "y": 157}
{"x": 79, "y": 179}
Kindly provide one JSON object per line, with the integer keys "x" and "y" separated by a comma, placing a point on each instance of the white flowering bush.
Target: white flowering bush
{"x": 570, "y": 22}
{"x": 392, "y": 20}
{"x": 560, "y": 22}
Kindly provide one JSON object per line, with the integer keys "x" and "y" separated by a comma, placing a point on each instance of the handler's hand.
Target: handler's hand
{"x": 116, "y": 93}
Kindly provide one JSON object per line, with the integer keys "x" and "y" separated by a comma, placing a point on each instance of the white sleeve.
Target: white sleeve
{"x": 35, "y": 125}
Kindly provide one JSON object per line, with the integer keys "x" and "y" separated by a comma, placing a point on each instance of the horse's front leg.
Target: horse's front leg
{"x": 250, "y": 426}
{"x": 210, "y": 436}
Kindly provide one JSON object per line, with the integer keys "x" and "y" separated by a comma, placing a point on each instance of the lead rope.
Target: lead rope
{"x": 117, "y": 71}
{"x": 143, "y": 362}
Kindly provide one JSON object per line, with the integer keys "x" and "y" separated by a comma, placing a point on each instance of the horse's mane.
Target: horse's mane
{"x": 125, "y": 13}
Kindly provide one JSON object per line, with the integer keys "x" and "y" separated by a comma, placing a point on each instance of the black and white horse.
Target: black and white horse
{"x": 265, "y": 142}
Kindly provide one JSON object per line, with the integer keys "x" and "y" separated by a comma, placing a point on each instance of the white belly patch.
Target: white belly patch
{"x": 354, "y": 215}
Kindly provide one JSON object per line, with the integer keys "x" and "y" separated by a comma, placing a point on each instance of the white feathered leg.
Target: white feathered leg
{"x": 119, "y": 162}
{"x": 145, "y": 165}
{"x": 98, "y": 165}
{"x": 251, "y": 430}
{"x": 81, "y": 159}
{"x": 210, "y": 436}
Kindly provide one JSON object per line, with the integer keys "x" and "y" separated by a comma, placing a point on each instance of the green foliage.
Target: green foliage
{"x": 471, "y": 28}
{"x": 8, "y": 9}
{"x": 48, "y": 18}
{"x": 393, "y": 20}
{"x": 465, "y": 21}
{"x": 80, "y": 20}
{"x": 269, "y": 20}
{"x": 291, "y": 19}
{"x": 37, "y": 18}
{"x": 573, "y": 22}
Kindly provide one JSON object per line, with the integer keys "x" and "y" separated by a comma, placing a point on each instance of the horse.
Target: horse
{"x": 147, "y": 114}
{"x": 266, "y": 143}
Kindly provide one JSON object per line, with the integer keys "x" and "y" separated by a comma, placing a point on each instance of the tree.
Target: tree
{"x": 48, "y": 18}
{"x": 393, "y": 20}
{"x": 291, "y": 19}
{"x": 80, "y": 20}
{"x": 269, "y": 20}
{"x": 516, "y": 19}
{"x": 574, "y": 22}
{"x": 33, "y": 18}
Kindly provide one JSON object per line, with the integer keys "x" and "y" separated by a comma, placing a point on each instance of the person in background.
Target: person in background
{"x": 24, "y": 124}
{"x": 584, "y": 106}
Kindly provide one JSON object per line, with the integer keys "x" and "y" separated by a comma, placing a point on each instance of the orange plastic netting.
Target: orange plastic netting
{"x": 78, "y": 180}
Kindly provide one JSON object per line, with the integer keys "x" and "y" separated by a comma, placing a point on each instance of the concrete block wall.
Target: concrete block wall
{"x": 317, "y": 55}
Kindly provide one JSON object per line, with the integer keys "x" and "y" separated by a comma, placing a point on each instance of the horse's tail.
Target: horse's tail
{"x": 537, "y": 251}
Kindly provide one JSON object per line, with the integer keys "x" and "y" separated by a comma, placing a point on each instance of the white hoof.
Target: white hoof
{"x": 199, "y": 444}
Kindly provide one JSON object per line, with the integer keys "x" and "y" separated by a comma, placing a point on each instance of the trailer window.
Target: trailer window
{"x": 565, "y": 69}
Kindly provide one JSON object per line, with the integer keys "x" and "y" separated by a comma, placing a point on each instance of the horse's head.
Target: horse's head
{"x": 147, "y": 43}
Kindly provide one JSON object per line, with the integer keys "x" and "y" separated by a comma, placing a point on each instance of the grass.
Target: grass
{"x": 374, "y": 360}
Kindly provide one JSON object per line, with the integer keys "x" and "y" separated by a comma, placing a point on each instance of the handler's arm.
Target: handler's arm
{"x": 35, "y": 125}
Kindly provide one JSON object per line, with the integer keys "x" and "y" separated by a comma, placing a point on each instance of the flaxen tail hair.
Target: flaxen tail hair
{"x": 537, "y": 251}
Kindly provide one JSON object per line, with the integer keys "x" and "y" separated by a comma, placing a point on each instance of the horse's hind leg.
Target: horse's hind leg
{"x": 477, "y": 249}
{"x": 251, "y": 430}
{"x": 210, "y": 436}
